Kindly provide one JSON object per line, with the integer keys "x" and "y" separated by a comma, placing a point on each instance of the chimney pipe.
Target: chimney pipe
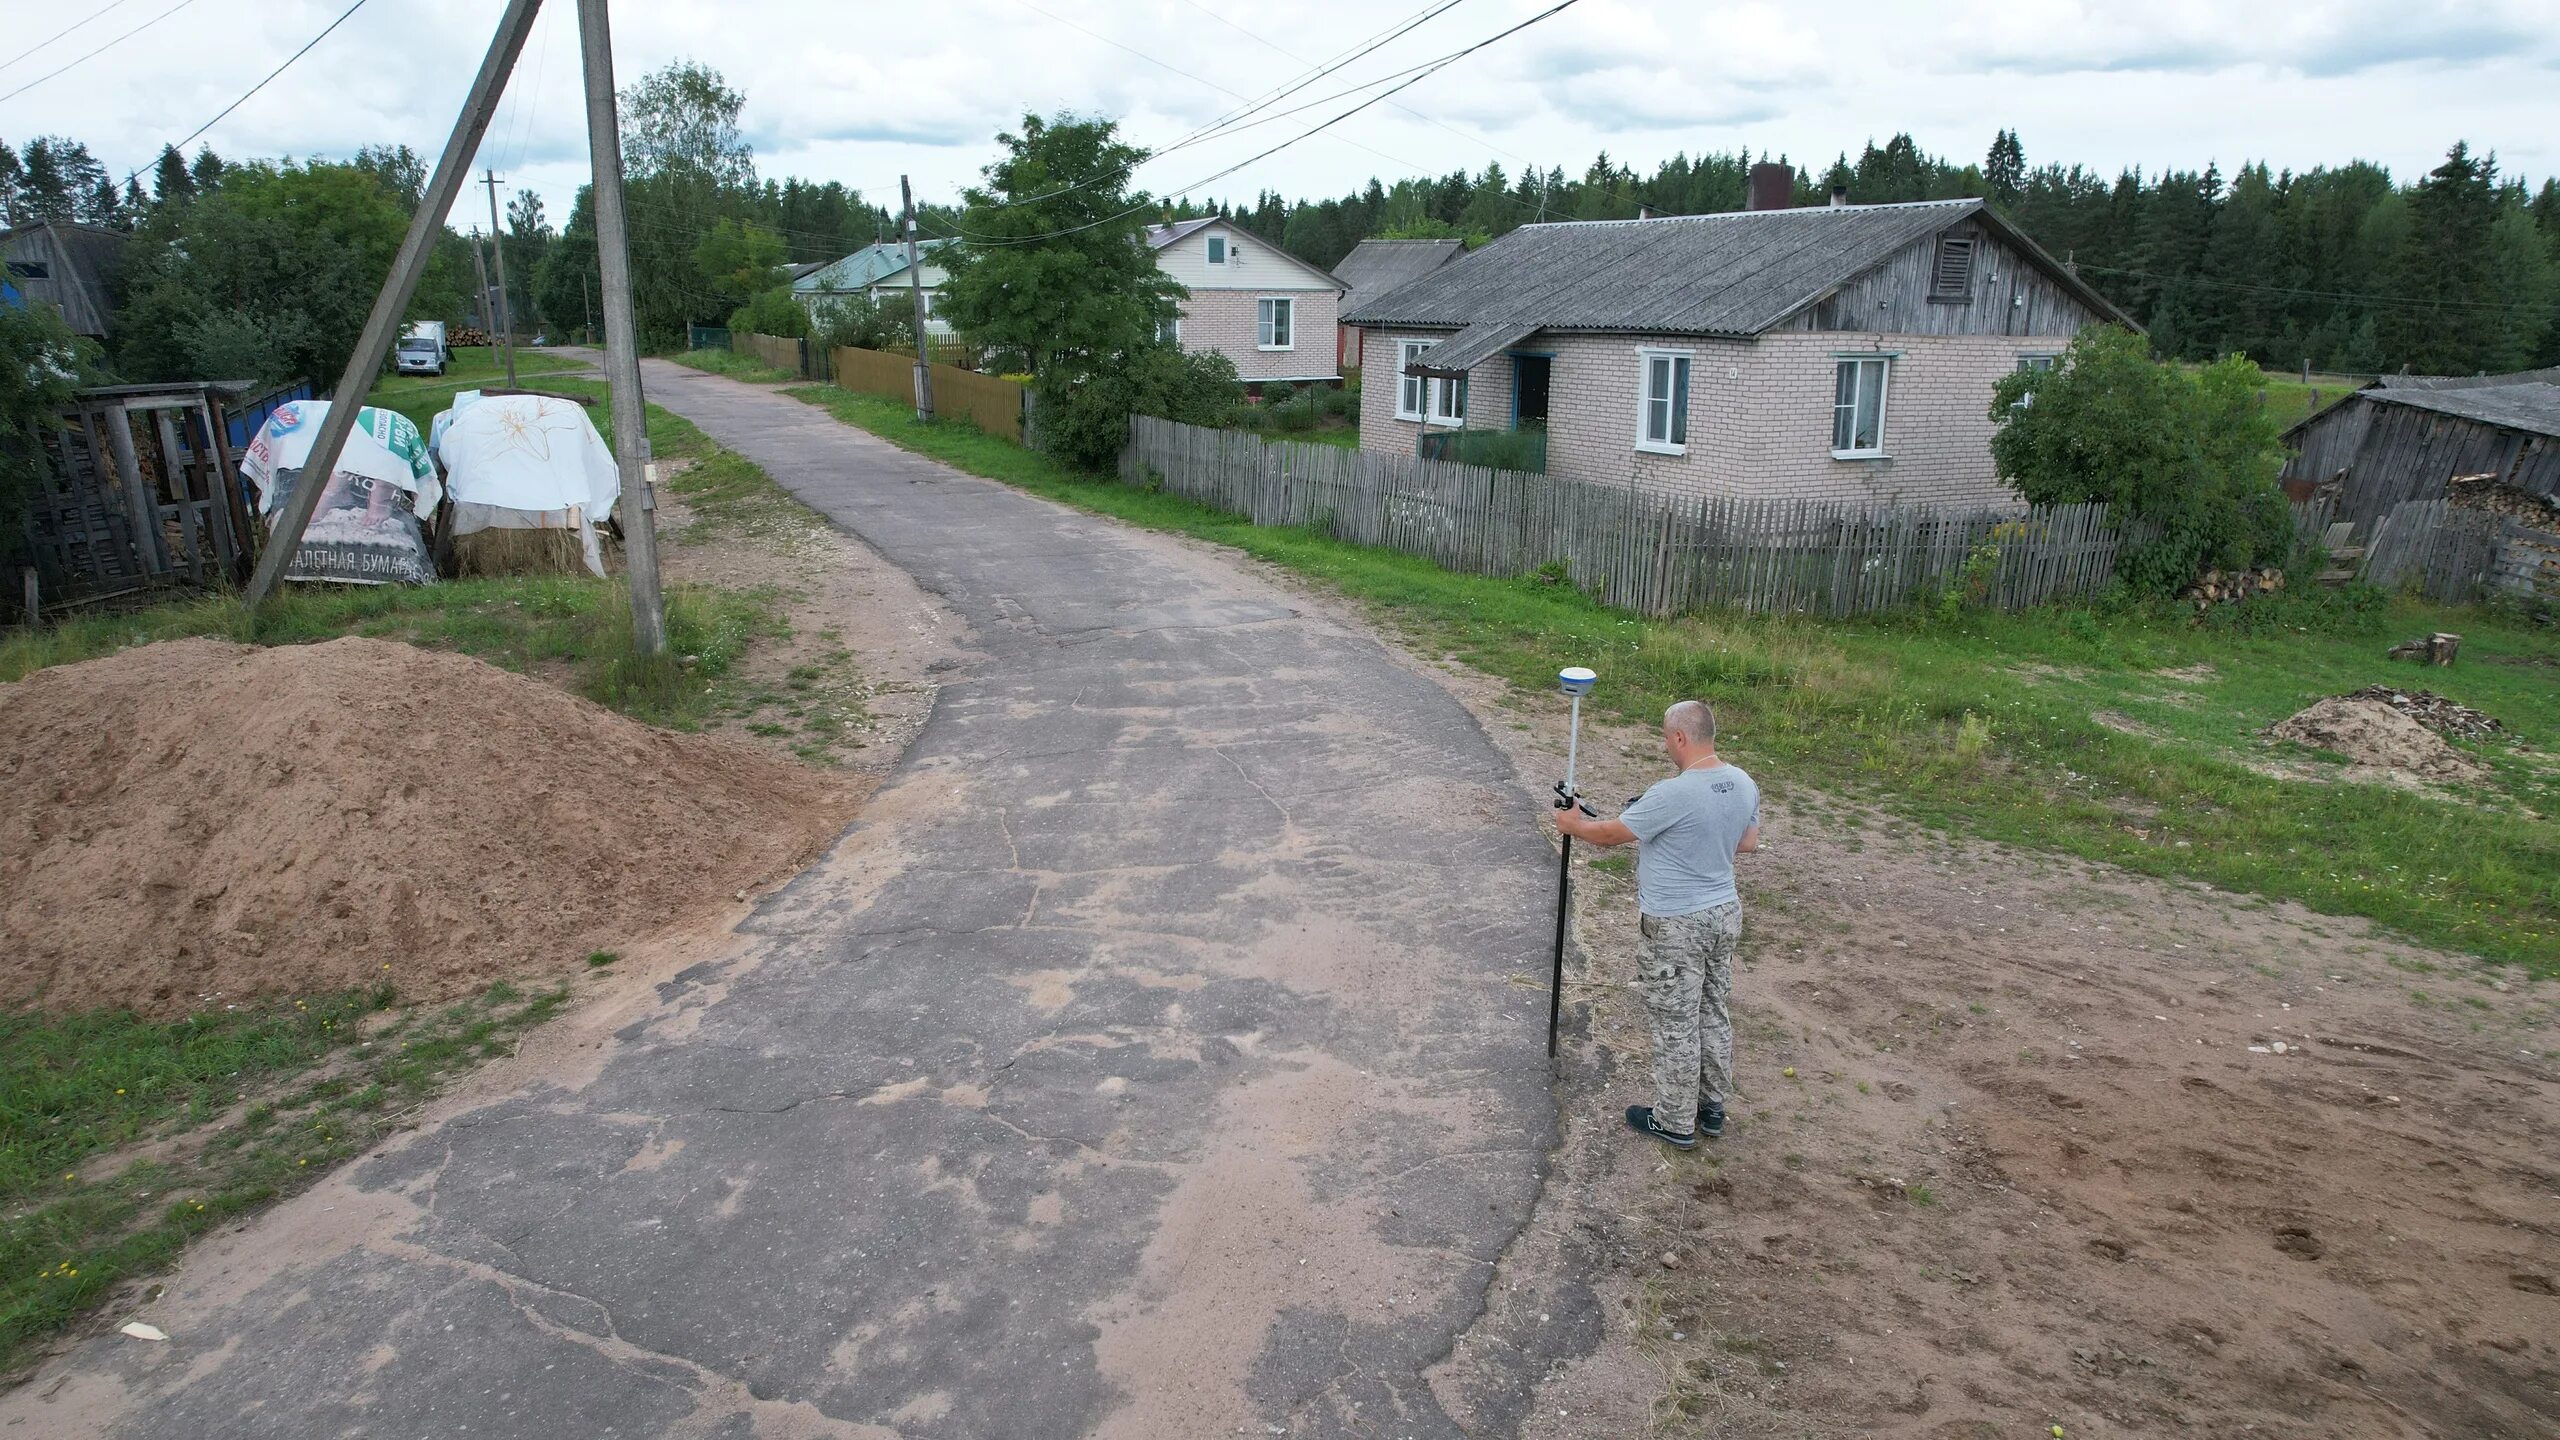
{"x": 1773, "y": 186}
{"x": 1839, "y": 197}
{"x": 1644, "y": 212}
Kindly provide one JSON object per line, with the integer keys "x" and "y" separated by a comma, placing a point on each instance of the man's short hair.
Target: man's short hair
{"x": 1693, "y": 719}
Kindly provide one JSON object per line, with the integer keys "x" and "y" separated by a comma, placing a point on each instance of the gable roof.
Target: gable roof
{"x": 865, "y": 267}
{"x": 87, "y": 260}
{"x": 1375, "y": 267}
{"x": 2531, "y": 406}
{"x": 2550, "y": 376}
{"x": 1162, "y": 237}
{"x": 1736, "y": 274}
{"x": 1159, "y": 236}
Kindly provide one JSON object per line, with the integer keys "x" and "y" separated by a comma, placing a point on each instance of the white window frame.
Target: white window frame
{"x": 1268, "y": 311}
{"x": 1170, "y": 331}
{"x": 1681, "y": 366}
{"x": 1216, "y": 250}
{"x": 1884, "y": 402}
{"x": 1449, "y": 402}
{"x": 1433, "y": 401}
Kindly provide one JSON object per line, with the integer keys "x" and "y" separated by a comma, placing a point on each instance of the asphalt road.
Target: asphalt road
{"x": 1148, "y": 1062}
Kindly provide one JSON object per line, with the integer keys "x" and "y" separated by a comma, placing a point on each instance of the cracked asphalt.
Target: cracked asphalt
{"x": 1153, "y": 1059}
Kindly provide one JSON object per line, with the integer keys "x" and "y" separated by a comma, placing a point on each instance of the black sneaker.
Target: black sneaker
{"x": 1640, "y": 1120}
{"x": 1711, "y": 1120}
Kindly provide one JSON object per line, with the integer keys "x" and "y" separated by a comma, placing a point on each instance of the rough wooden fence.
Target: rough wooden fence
{"x": 993, "y": 405}
{"x": 1631, "y": 548}
{"x": 2443, "y": 551}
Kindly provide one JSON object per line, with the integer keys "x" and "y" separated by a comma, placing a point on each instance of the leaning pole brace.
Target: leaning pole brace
{"x": 639, "y": 501}
{"x": 1576, "y": 681}
{"x": 393, "y": 302}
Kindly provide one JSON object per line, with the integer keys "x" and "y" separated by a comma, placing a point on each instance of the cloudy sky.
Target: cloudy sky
{"x": 859, "y": 91}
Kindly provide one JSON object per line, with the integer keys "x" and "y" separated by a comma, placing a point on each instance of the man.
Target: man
{"x": 1686, "y": 831}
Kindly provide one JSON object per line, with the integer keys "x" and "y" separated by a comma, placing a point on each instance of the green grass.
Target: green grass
{"x": 733, "y": 365}
{"x": 1983, "y": 725}
{"x": 125, "y": 1138}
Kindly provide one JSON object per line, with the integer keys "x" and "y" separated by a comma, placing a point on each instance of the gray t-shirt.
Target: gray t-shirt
{"x": 1686, "y": 828}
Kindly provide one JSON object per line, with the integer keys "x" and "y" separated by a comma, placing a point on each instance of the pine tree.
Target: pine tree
{"x": 2005, "y": 169}
{"x": 170, "y": 182}
{"x": 2445, "y": 317}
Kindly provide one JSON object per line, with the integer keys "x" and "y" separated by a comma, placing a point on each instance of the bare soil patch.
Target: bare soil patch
{"x": 2039, "y": 1161}
{"x": 195, "y": 822}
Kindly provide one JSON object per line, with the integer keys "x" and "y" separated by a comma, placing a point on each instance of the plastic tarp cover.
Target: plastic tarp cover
{"x": 526, "y": 462}
{"x": 365, "y": 530}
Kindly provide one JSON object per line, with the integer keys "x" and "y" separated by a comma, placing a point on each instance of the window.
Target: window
{"x": 1170, "y": 332}
{"x": 1664, "y": 422}
{"x": 1217, "y": 249}
{"x": 1432, "y": 400}
{"x": 31, "y": 269}
{"x": 2033, "y": 365}
{"x": 1857, "y": 407}
{"x": 1410, "y": 389}
{"x": 1952, "y": 278}
{"x": 1272, "y": 324}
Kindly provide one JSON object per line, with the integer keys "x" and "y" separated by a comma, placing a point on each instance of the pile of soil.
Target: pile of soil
{"x": 190, "y": 823}
{"x": 2374, "y": 734}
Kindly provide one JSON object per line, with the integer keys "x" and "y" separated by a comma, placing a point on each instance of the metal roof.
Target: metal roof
{"x": 2532, "y": 407}
{"x": 1471, "y": 347}
{"x": 1159, "y": 236}
{"x": 1376, "y": 267}
{"x": 1737, "y": 273}
{"x": 864, "y": 267}
{"x": 2550, "y": 376}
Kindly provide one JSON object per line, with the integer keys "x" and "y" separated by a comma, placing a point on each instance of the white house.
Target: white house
{"x": 1268, "y": 311}
{"x": 879, "y": 273}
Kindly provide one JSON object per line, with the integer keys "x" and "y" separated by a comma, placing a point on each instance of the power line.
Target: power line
{"x": 1547, "y": 14}
{"x": 261, "y": 85}
{"x": 58, "y": 34}
{"x": 110, "y": 45}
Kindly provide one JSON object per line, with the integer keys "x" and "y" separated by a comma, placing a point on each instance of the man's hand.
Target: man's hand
{"x": 1582, "y": 825}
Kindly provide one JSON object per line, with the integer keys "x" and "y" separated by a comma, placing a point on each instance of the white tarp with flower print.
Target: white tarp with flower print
{"x": 527, "y": 462}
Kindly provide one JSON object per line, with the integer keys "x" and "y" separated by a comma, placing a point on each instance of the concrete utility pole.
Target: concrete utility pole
{"x": 382, "y": 326}
{"x": 480, "y": 267}
{"x": 498, "y": 247}
{"x": 915, "y": 290}
{"x": 621, "y": 337}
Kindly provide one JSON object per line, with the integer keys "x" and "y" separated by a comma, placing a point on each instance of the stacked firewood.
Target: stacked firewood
{"x": 468, "y": 336}
{"x": 2221, "y": 587}
{"x": 2432, "y": 710}
{"x": 2483, "y": 492}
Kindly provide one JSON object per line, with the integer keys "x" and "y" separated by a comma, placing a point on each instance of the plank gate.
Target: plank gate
{"x": 138, "y": 492}
{"x": 1645, "y": 552}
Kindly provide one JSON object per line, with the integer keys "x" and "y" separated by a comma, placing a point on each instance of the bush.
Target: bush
{"x": 2193, "y": 452}
{"x": 1343, "y": 400}
{"x": 1084, "y": 417}
{"x": 1277, "y": 395}
{"x": 772, "y": 312}
{"x": 859, "y": 322}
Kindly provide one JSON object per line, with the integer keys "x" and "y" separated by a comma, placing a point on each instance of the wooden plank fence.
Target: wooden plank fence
{"x": 2443, "y": 551}
{"x": 997, "y": 406}
{"x": 1650, "y": 553}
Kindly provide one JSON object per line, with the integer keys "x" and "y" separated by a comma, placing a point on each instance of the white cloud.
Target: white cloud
{"x": 853, "y": 94}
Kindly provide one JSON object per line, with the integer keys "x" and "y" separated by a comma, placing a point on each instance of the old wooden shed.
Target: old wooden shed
{"x": 2407, "y": 437}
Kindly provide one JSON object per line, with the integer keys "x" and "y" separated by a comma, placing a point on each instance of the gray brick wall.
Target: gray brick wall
{"x": 1229, "y": 322}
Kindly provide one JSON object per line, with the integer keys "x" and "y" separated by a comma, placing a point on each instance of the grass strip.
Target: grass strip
{"x": 1981, "y": 723}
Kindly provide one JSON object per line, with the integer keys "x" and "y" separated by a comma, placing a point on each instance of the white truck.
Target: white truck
{"x": 422, "y": 349}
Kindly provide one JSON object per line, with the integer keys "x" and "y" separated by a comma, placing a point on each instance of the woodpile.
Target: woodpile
{"x": 2436, "y": 649}
{"x": 2483, "y": 492}
{"x": 2223, "y": 587}
{"x": 466, "y": 335}
{"x": 2433, "y": 711}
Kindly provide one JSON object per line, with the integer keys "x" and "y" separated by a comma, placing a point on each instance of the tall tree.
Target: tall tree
{"x": 170, "y": 182}
{"x": 2445, "y": 317}
{"x": 2005, "y": 169}
{"x": 1056, "y": 267}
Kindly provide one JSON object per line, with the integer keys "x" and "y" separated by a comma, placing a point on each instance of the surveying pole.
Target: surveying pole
{"x": 1576, "y": 681}
{"x": 498, "y": 247}
{"x": 915, "y": 290}
{"x": 382, "y": 325}
{"x": 621, "y": 335}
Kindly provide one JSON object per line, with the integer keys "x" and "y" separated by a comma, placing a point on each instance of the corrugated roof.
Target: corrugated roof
{"x": 1737, "y": 273}
{"x": 866, "y": 266}
{"x": 1159, "y": 236}
{"x": 2550, "y": 376}
{"x": 1471, "y": 347}
{"x": 2530, "y": 406}
{"x": 1376, "y": 267}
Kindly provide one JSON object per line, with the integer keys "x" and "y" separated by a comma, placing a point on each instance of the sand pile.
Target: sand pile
{"x": 198, "y": 819}
{"x": 2373, "y": 734}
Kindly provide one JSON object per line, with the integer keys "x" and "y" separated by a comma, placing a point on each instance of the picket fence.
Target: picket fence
{"x": 1655, "y": 554}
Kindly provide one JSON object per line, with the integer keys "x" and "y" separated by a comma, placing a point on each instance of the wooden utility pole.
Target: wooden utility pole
{"x": 382, "y": 326}
{"x": 498, "y": 247}
{"x": 480, "y": 267}
{"x": 915, "y": 290}
{"x": 621, "y": 335}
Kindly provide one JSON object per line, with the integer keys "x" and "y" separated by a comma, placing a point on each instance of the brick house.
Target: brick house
{"x": 1844, "y": 353}
{"x": 1249, "y": 300}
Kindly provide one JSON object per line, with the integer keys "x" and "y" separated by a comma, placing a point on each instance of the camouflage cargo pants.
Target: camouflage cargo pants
{"x": 1684, "y": 971}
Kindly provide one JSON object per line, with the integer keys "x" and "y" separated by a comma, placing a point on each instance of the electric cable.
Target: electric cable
{"x": 254, "y": 89}
{"x": 101, "y": 50}
{"x": 58, "y": 34}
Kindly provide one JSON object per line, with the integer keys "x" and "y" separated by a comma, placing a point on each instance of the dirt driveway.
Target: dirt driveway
{"x": 2028, "y": 1143}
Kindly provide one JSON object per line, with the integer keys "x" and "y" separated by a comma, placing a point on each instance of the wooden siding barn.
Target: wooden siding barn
{"x": 2395, "y": 443}
{"x": 69, "y": 267}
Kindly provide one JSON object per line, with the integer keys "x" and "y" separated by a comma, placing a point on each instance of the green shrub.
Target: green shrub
{"x": 2191, "y": 451}
{"x": 772, "y": 312}
{"x": 1278, "y": 394}
{"x": 1343, "y": 400}
{"x": 1084, "y": 416}
{"x": 859, "y": 322}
